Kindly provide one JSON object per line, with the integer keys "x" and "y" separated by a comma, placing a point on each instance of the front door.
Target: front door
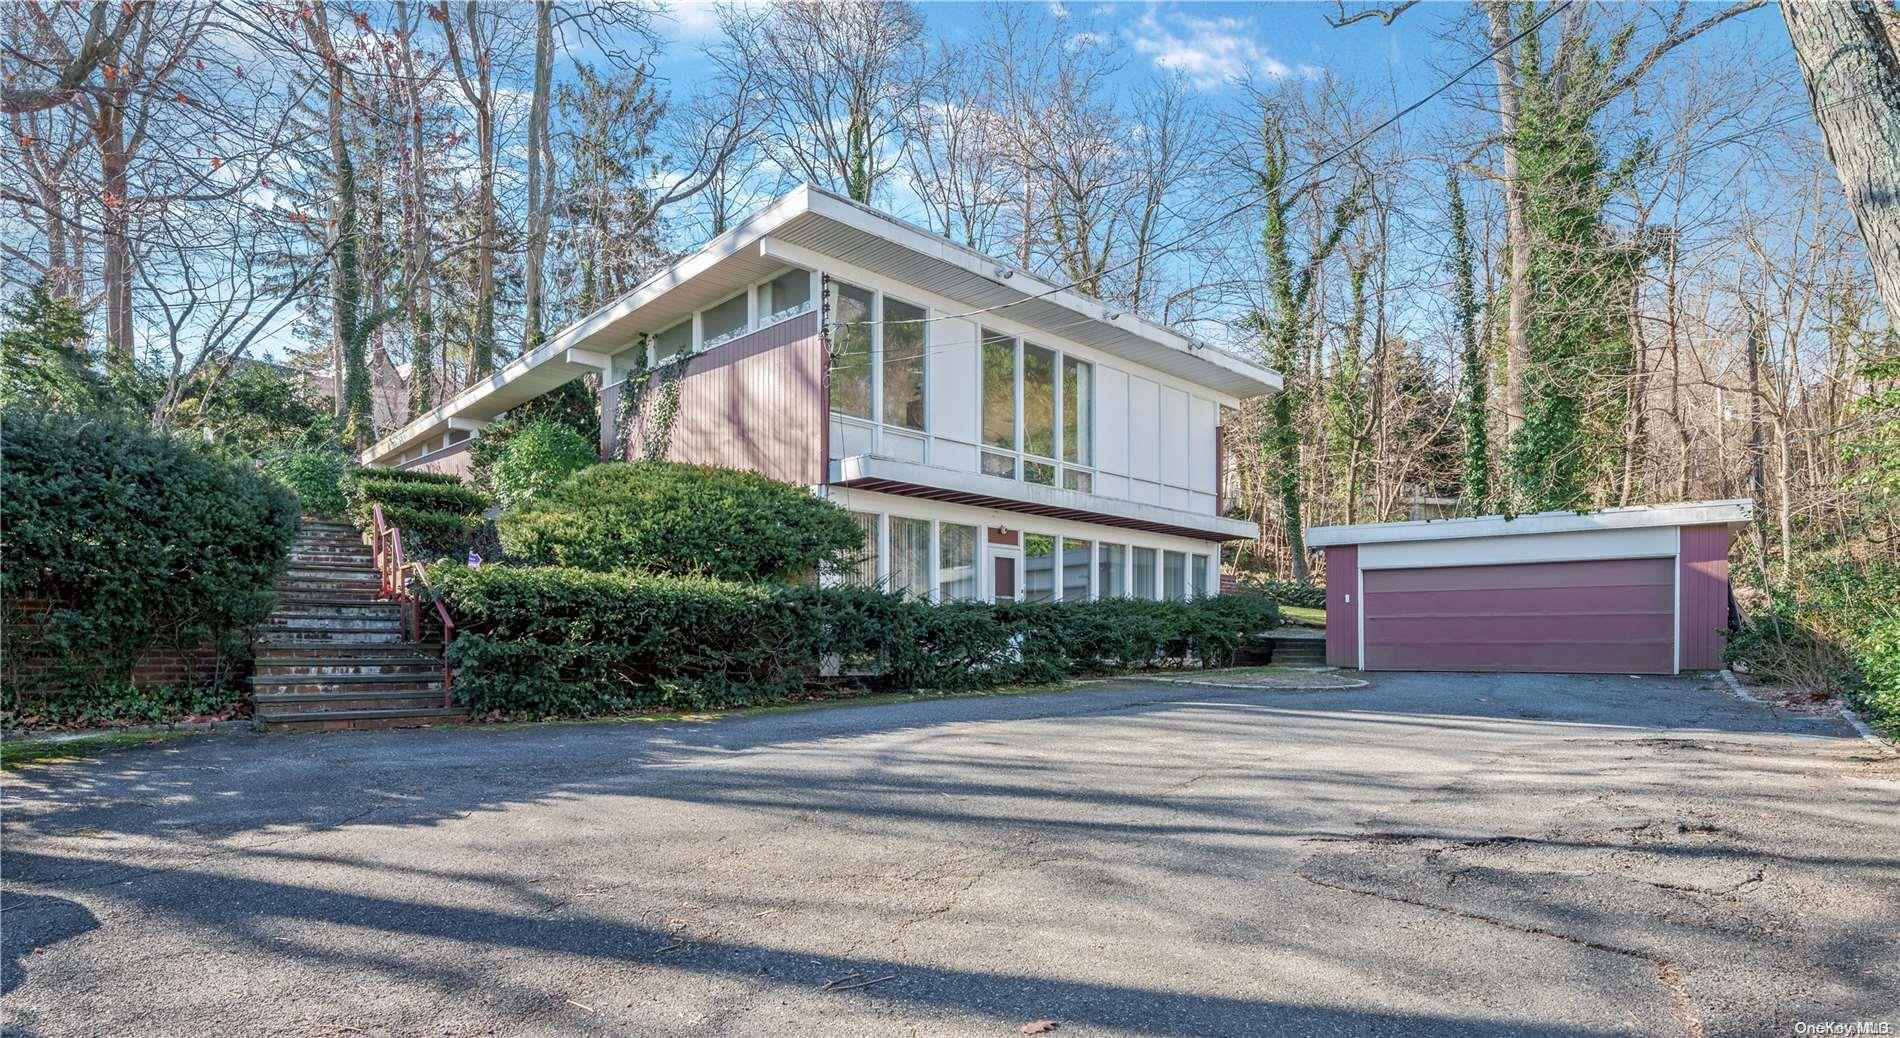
{"x": 1006, "y": 572}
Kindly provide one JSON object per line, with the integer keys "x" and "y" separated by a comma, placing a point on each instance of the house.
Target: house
{"x": 996, "y": 436}
{"x": 1637, "y": 590}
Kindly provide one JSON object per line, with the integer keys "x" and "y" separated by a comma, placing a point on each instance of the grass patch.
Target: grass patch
{"x": 1303, "y": 615}
{"x": 18, "y": 753}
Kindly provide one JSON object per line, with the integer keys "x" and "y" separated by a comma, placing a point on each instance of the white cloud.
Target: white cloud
{"x": 693, "y": 19}
{"x": 1210, "y": 52}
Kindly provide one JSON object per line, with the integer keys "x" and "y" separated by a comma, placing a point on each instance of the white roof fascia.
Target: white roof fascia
{"x": 1693, "y": 513}
{"x": 919, "y": 240}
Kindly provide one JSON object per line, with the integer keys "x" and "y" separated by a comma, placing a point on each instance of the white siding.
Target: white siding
{"x": 1173, "y": 421}
{"x": 952, "y": 380}
{"x": 1144, "y": 429}
{"x": 1203, "y": 416}
{"x": 1111, "y": 425}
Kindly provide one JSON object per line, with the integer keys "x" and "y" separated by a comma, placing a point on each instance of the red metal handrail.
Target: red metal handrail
{"x": 386, "y": 550}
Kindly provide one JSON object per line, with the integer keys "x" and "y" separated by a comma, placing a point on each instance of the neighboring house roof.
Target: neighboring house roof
{"x": 802, "y": 229}
{"x": 1693, "y": 513}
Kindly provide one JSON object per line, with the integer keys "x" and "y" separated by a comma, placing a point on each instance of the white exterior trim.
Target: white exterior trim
{"x": 864, "y": 466}
{"x": 1697, "y": 513}
{"x": 1575, "y": 546}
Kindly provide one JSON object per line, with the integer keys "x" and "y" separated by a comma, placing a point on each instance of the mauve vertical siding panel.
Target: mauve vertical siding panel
{"x": 1342, "y": 617}
{"x": 1606, "y": 616}
{"x": 755, "y": 403}
{"x": 1704, "y": 576}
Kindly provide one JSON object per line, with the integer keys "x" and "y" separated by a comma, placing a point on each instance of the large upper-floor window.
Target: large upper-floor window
{"x": 878, "y": 346}
{"x": 1039, "y": 407}
{"x": 903, "y": 327}
{"x": 673, "y": 343}
{"x": 851, "y": 345}
{"x": 787, "y": 295}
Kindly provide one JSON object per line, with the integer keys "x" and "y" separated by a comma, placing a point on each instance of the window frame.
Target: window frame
{"x": 1020, "y": 458}
{"x": 877, "y": 423}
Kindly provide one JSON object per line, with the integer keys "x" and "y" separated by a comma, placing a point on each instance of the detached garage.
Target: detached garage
{"x": 1625, "y": 591}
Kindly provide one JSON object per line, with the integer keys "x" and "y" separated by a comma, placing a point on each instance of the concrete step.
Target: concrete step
{"x": 327, "y": 720}
{"x": 337, "y": 605}
{"x": 329, "y": 585}
{"x": 350, "y": 666}
{"x": 306, "y": 557}
{"x": 323, "y": 704}
{"x": 421, "y": 680}
{"x": 388, "y": 620}
{"x": 279, "y": 635}
{"x": 396, "y": 651}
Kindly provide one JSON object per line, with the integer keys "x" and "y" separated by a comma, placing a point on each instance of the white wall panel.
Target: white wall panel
{"x": 1110, "y": 485}
{"x": 1111, "y": 421}
{"x": 1173, "y": 422}
{"x": 1144, "y": 429}
{"x": 1550, "y": 547}
{"x": 1203, "y": 416}
{"x": 960, "y": 456}
{"x": 1145, "y": 492}
{"x": 952, "y": 378}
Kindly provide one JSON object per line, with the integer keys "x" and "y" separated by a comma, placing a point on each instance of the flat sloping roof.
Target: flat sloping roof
{"x": 810, "y": 221}
{"x": 1690, "y": 513}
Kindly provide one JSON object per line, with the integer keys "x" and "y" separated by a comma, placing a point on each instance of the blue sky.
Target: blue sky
{"x": 1212, "y": 43}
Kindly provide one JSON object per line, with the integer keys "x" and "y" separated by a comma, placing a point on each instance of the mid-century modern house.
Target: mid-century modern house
{"x": 997, "y": 436}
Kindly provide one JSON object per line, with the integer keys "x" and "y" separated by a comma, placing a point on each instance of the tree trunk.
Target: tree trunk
{"x": 539, "y": 180}
{"x": 1850, "y": 57}
{"x": 1517, "y": 222}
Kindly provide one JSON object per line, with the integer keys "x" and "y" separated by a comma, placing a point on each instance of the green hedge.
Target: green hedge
{"x": 1288, "y": 592}
{"x": 539, "y": 458}
{"x": 561, "y": 642}
{"x": 137, "y": 541}
{"x": 433, "y": 497}
{"x": 661, "y": 517}
{"x": 439, "y": 516}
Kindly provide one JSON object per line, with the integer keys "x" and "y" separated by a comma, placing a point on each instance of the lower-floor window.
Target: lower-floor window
{"x": 1144, "y": 573}
{"x": 1199, "y": 576}
{"x": 1111, "y": 569}
{"x": 956, "y": 562}
{"x": 861, "y": 568}
{"x": 1174, "y": 576}
{"x": 1039, "y": 567}
{"x": 910, "y": 556}
{"x": 1075, "y": 569}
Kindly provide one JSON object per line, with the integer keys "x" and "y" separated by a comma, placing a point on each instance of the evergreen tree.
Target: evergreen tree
{"x": 43, "y": 361}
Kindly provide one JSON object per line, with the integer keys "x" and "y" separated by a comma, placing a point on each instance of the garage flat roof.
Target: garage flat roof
{"x": 1689, "y": 513}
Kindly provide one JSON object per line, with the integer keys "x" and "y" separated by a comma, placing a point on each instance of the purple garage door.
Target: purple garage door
{"x": 1609, "y": 616}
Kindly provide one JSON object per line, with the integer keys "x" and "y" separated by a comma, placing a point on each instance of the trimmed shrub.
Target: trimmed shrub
{"x": 315, "y": 476}
{"x": 662, "y": 517}
{"x": 447, "y": 479}
{"x": 537, "y": 459}
{"x": 439, "y": 516}
{"x": 1288, "y": 592}
{"x": 561, "y": 642}
{"x": 431, "y": 497}
{"x": 134, "y": 541}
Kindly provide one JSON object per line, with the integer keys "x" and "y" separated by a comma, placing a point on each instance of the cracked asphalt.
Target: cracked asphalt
{"x": 1428, "y": 855}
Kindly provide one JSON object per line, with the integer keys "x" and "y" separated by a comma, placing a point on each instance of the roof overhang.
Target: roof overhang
{"x": 802, "y": 229}
{"x": 868, "y": 472}
{"x": 1695, "y": 513}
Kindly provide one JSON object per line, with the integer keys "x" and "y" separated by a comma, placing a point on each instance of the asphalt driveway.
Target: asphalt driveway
{"x": 1433, "y": 854}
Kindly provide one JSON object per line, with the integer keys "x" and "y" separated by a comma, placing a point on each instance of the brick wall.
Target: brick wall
{"x": 161, "y": 666}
